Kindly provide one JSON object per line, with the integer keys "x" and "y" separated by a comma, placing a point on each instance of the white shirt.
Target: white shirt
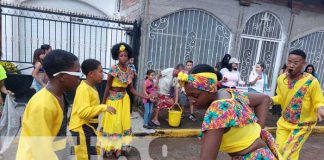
{"x": 167, "y": 81}
{"x": 261, "y": 84}
{"x": 233, "y": 77}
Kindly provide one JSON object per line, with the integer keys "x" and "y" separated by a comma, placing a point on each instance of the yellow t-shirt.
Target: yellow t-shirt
{"x": 86, "y": 106}
{"x": 3, "y": 74}
{"x": 41, "y": 124}
{"x": 311, "y": 100}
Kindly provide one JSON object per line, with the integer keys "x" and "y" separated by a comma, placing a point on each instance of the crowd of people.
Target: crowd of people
{"x": 233, "y": 123}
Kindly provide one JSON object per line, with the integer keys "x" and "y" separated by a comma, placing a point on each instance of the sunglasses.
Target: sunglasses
{"x": 77, "y": 74}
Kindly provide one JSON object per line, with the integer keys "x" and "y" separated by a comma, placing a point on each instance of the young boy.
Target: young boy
{"x": 44, "y": 121}
{"x": 184, "y": 101}
{"x": 132, "y": 66}
{"x": 86, "y": 108}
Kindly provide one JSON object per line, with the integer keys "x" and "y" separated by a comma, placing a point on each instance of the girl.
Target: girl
{"x": 231, "y": 75}
{"x": 38, "y": 72}
{"x": 46, "y": 48}
{"x": 311, "y": 70}
{"x": 117, "y": 128}
{"x": 233, "y": 121}
{"x": 149, "y": 91}
{"x": 258, "y": 79}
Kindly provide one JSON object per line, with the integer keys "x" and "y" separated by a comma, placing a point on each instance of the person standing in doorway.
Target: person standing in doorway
{"x": 231, "y": 75}
{"x": 258, "y": 79}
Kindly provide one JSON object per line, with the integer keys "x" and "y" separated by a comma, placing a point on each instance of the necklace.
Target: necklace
{"x": 121, "y": 69}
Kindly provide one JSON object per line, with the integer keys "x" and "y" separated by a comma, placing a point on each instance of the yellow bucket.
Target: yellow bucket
{"x": 175, "y": 116}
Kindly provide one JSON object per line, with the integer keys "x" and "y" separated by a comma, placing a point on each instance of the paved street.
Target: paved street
{"x": 189, "y": 148}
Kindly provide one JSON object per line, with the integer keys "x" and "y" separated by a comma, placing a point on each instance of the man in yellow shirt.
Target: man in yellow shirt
{"x": 302, "y": 103}
{"x": 86, "y": 108}
{"x": 44, "y": 121}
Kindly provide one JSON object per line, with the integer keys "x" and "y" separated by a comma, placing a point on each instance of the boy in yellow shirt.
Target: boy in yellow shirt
{"x": 301, "y": 99}
{"x": 44, "y": 121}
{"x": 86, "y": 108}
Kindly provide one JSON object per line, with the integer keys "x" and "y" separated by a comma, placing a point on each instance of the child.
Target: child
{"x": 85, "y": 110}
{"x": 120, "y": 79}
{"x": 3, "y": 76}
{"x": 46, "y": 48}
{"x": 38, "y": 72}
{"x": 132, "y": 66}
{"x": 149, "y": 91}
{"x": 44, "y": 121}
{"x": 229, "y": 125}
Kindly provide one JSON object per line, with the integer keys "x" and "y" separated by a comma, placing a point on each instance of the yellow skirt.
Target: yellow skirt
{"x": 116, "y": 128}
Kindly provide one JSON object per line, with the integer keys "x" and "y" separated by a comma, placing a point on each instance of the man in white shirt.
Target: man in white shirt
{"x": 168, "y": 92}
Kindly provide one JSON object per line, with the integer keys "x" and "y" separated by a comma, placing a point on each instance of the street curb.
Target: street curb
{"x": 181, "y": 133}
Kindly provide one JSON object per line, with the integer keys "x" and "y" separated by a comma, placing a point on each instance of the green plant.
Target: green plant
{"x": 10, "y": 67}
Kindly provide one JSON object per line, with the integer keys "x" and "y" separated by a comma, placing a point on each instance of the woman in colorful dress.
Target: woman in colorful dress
{"x": 233, "y": 121}
{"x": 116, "y": 129}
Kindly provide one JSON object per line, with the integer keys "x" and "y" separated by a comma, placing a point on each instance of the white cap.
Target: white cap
{"x": 233, "y": 60}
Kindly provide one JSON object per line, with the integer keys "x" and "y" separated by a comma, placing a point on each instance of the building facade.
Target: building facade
{"x": 174, "y": 31}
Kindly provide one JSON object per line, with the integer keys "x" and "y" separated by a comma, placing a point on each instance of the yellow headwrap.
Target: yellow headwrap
{"x": 204, "y": 81}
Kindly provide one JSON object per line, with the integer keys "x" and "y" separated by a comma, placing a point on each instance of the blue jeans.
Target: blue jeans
{"x": 148, "y": 106}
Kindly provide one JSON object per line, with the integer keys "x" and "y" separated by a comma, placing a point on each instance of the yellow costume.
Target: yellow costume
{"x": 233, "y": 114}
{"x": 299, "y": 101}
{"x": 43, "y": 129}
{"x": 84, "y": 120}
{"x": 117, "y": 128}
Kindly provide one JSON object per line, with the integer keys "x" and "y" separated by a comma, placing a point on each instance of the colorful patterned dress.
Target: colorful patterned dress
{"x": 116, "y": 128}
{"x": 235, "y": 113}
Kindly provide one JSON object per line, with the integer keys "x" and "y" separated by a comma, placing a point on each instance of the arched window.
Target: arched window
{"x": 313, "y": 45}
{"x": 187, "y": 34}
{"x": 260, "y": 42}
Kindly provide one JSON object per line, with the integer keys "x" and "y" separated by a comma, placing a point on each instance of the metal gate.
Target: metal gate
{"x": 187, "y": 34}
{"x": 313, "y": 45}
{"x": 260, "y": 42}
{"x": 23, "y": 29}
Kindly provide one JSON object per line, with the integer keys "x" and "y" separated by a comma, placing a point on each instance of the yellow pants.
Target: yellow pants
{"x": 85, "y": 139}
{"x": 290, "y": 138}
